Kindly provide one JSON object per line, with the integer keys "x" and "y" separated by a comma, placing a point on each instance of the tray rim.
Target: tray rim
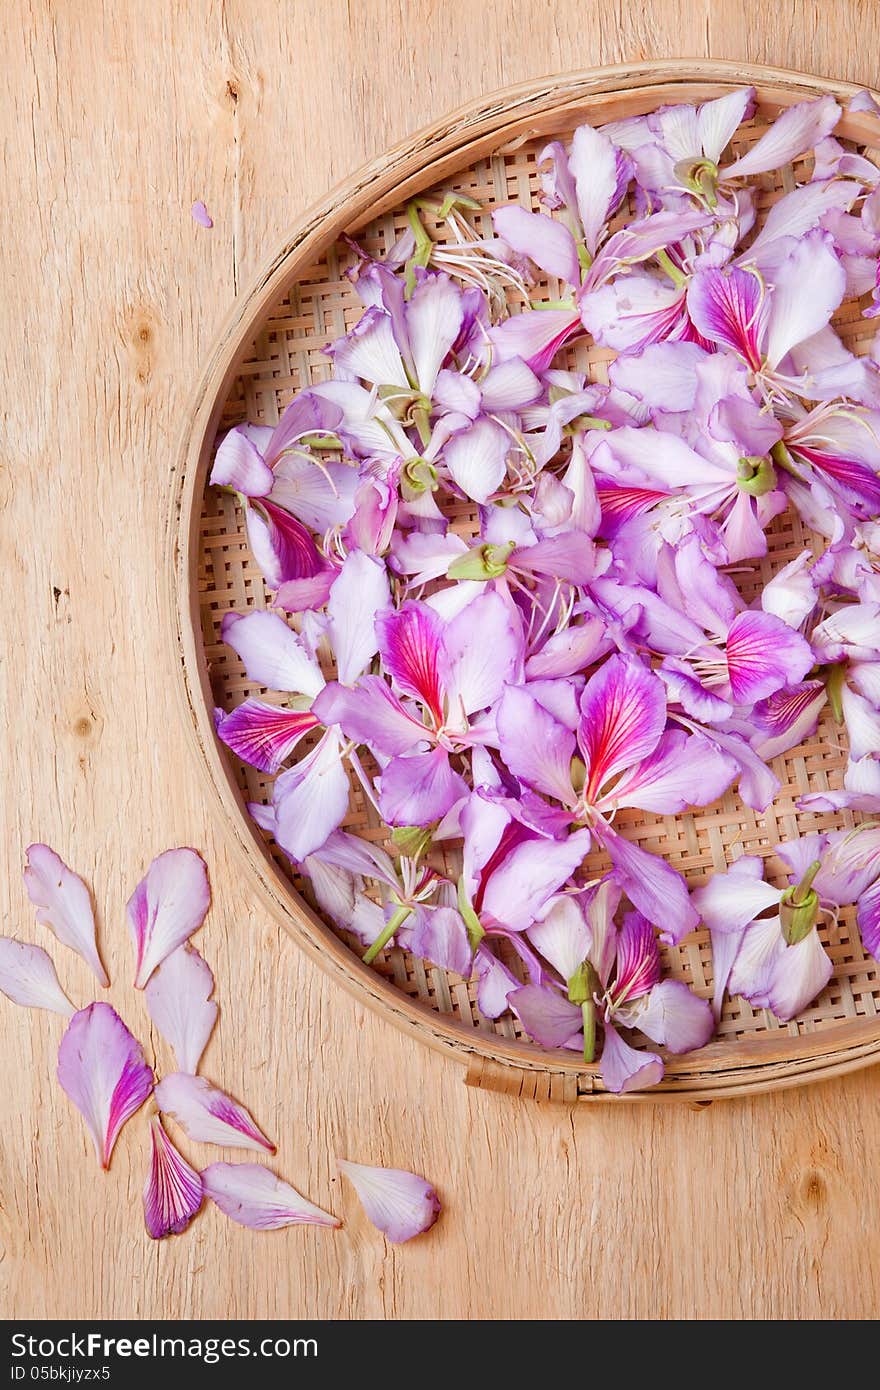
{"x": 721, "y": 1069}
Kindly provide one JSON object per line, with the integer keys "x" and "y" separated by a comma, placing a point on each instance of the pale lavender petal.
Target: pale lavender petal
{"x": 419, "y": 789}
{"x": 522, "y": 884}
{"x": 797, "y": 975}
{"x": 102, "y": 1069}
{"x": 320, "y": 497}
{"x": 207, "y": 1114}
{"x": 862, "y": 724}
{"x": 263, "y": 735}
{"x": 569, "y": 651}
{"x": 510, "y": 385}
{"x": 651, "y": 884}
{"x": 173, "y": 1191}
{"x": 434, "y": 314}
{"x": 546, "y": 1015}
{"x": 536, "y": 747}
{"x": 663, "y": 459}
{"x": 201, "y": 215}
{"x": 440, "y": 936}
{"x": 477, "y": 459}
{"x": 536, "y": 336}
{"x": 254, "y": 1197}
{"x": 457, "y": 393}
{"x": 305, "y": 595}
{"x": 623, "y": 714}
{"x": 482, "y": 649}
{"x": 359, "y": 594}
{"x": 562, "y": 936}
{"x": 634, "y": 312}
{"x": 570, "y": 556}
{"x": 167, "y": 906}
{"x": 761, "y": 943}
{"x": 27, "y": 977}
{"x": 370, "y": 713}
{"x": 311, "y": 799}
{"x": 548, "y": 243}
{"x": 797, "y": 213}
{"x": 496, "y": 983}
{"x": 728, "y": 901}
{"x": 370, "y": 352}
{"x": 718, "y": 120}
{"x": 676, "y": 1017}
{"x": 861, "y": 790}
{"x": 282, "y": 546}
{"x": 864, "y": 101}
{"x": 399, "y": 1204}
{"x": 595, "y": 166}
{"x": 794, "y": 317}
{"x": 63, "y": 904}
{"x": 273, "y": 655}
{"x": 625, "y": 1069}
{"x": 792, "y": 133}
{"x": 179, "y": 1003}
{"x": 663, "y": 376}
{"x": 763, "y": 655}
{"x": 850, "y": 864}
{"x": 758, "y": 784}
{"x": 239, "y": 464}
{"x": 682, "y": 771}
{"x": 791, "y": 594}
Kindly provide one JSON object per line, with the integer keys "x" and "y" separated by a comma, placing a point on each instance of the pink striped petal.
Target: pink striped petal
{"x": 536, "y": 337}
{"x": 264, "y": 735}
{"x": 239, "y": 464}
{"x": 282, "y": 546}
{"x": 207, "y": 1114}
{"x": 482, "y": 651}
{"x": 623, "y": 714}
{"x": 728, "y": 307}
{"x": 27, "y": 977}
{"x": 273, "y": 654}
{"x": 370, "y": 713}
{"x": 173, "y": 1191}
{"x": 763, "y": 655}
{"x": 548, "y": 243}
{"x": 102, "y": 1069}
{"x": 638, "y": 960}
{"x": 254, "y": 1197}
{"x": 167, "y": 906}
{"x": 179, "y": 1003}
{"x": 868, "y": 917}
{"x": 623, "y": 1068}
{"x": 399, "y": 1204}
{"x": 64, "y": 904}
{"x": 792, "y": 134}
{"x": 682, "y": 771}
{"x": 409, "y": 643}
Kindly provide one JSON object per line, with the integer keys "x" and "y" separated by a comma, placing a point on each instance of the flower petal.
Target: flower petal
{"x": 529, "y": 875}
{"x": 167, "y": 906}
{"x": 637, "y": 960}
{"x": 728, "y": 901}
{"x": 676, "y": 1017}
{"x": 623, "y": 1068}
{"x": 601, "y": 173}
{"x": 320, "y": 497}
{"x": 728, "y": 308}
{"x": 102, "y": 1069}
{"x": 762, "y": 941}
{"x": 239, "y": 464}
{"x": 792, "y": 133}
{"x": 254, "y": 1197}
{"x": 718, "y": 120}
{"x": 482, "y": 650}
{"x": 862, "y": 724}
{"x": 207, "y": 1114}
{"x": 409, "y": 642}
{"x": 179, "y": 1003}
{"x": 651, "y": 884}
{"x": 273, "y": 655}
{"x": 536, "y": 747}
{"x": 682, "y": 771}
{"x": 477, "y": 459}
{"x": 868, "y": 917}
{"x": 311, "y": 799}
{"x": 263, "y": 735}
{"x": 370, "y": 352}
{"x": 359, "y": 594}
{"x": 173, "y": 1191}
{"x": 434, "y": 316}
{"x": 623, "y": 714}
{"x": 546, "y": 242}
{"x": 441, "y": 937}
{"x": 562, "y": 936}
{"x": 370, "y": 713}
{"x": 546, "y": 1015}
{"x": 496, "y": 983}
{"x": 797, "y": 975}
{"x": 763, "y": 655}
{"x": 64, "y": 904}
{"x": 27, "y": 977}
{"x": 399, "y": 1204}
{"x": 419, "y": 789}
{"x": 535, "y": 336}
{"x": 281, "y": 545}
{"x": 794, "y": 317}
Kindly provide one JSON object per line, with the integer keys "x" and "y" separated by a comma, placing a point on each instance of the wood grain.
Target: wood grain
{"x": 115, "y": 119}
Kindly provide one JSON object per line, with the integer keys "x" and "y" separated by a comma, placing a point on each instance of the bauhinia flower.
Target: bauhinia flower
{"x": 400, "y": 1204}
{"x": 102, "y": 1070}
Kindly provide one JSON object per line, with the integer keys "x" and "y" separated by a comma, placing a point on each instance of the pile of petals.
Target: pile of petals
{"x": 102, "y": 1068}
{"x": 504, "y": 598}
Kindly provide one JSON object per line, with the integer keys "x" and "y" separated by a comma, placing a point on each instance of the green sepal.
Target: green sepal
{"x": 483, "y": 562}
{"x": 755, "y": 475}
{"x": 475, "y": 929}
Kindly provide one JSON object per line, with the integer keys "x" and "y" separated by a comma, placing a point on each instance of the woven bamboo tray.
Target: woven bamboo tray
{"x": 270, "y": 348}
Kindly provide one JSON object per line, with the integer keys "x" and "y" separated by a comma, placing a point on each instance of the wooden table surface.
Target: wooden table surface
{"x": 116, "y": 117}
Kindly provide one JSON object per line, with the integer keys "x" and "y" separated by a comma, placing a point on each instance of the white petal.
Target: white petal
{"x": 64, "y": 904}
{"x": 272, "y": 653}
{"x": 179, "y": 1003}
{"x": 167, "y": 906}
{"x": 399, "y": 1204}
{"x": 358, "y": 595}
{"x": 254, "y": 1197}
{"x": 27, "y": 977}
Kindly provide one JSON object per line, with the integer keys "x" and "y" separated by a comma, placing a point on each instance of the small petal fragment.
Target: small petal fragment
{"x": 254, "y": 1197}
{"x": 399, "y": 1204}
{"x": 167, "y": 906}
{"x": 207, "y": 1114}
{"x": 63, "y": 902}
{"x": 27, "y": 977}
{"x": 173, "y": 1191}
{"x": 623, "y": 1068}
{"x": 179, "y": 1003}
{"x": 102, "y": 1069}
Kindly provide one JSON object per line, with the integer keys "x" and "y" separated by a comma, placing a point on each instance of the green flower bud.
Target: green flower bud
{"x": 701, "y": 177}
{"x": 756, "y": 476}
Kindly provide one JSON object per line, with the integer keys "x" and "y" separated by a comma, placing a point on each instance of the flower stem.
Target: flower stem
{"x": 588, "y": 1013}
{"x": 396, "y": 920}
